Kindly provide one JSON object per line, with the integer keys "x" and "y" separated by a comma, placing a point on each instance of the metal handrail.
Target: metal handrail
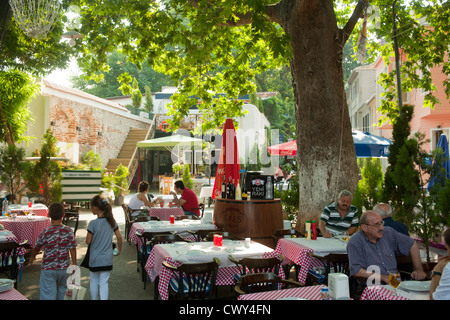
{"x": 133, "y": 164}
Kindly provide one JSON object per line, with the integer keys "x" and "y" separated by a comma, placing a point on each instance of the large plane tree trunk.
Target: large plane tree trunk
{"x": 326, "y": 154}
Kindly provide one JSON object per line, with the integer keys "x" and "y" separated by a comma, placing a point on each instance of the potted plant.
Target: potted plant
{"x": 120, "y": 184}
{"x": 176, "y": 168}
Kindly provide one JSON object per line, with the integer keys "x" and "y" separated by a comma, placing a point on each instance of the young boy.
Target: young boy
{"x": 58, "y": 242}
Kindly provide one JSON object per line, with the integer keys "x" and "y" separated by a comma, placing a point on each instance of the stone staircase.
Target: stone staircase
{"x": 129, "y": 146}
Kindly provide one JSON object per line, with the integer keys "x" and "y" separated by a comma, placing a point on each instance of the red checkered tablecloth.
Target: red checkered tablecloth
{"x": 308, "y": 293}
{"x": 12, "y": 294}
{"x": 165, "y": 213}
{"x": 296, "y": 249}
{"x": 380, "y": 293}
{"x": 38, "y": 209}
{"x": 26, "y": 228}
{"x": 225, "y": 274}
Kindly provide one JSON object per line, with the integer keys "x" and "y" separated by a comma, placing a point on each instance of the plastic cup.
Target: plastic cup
{"x": 172, "y": 219}
{"x": 30, "y": 204}
{"x": 218, "y": 240}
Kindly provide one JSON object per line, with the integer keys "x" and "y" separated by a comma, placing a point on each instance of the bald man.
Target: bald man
{"x": 376, "y": 245}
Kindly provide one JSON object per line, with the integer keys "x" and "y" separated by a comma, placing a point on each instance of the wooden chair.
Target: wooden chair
{"x": 225, "y": 235}
{"x": 193, "y": 280}
{"x": 277, "y": 235}
{"x": 144, "y": 249}
{"x": 201, "y": 207}
{"x": 201, "y": 235}
{"x": 10, "y": 262}
{"x": 339, "y": 261}
{"x": 259, "y": 282}
{"x": 256, "y": 265}
{"x": 189, "y": 217}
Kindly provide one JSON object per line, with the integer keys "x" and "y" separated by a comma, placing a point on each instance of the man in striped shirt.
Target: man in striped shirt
{"x": 340, "y": 217}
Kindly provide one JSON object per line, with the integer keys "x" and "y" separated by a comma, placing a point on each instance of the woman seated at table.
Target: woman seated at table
{"x": 140, "y": 199}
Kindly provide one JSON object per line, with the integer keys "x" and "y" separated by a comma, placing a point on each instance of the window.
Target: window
{"x": 436, "y": 134}
{"x": 366, "y": 123}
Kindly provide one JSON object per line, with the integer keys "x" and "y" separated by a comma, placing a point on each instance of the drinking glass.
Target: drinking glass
{"x": 394, "y": 281}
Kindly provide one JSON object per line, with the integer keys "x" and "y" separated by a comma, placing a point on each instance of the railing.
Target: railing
{"x": 134, "y": 161}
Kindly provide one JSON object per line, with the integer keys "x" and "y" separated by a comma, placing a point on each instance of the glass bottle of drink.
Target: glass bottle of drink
{"x": 244, "y": 191}
{"x": 238, "y": 191}
{"x": 224, "y": 188}
{"x": 269, "y": 188}
{"x": 229, "y": 188}
{"x": 232, "y": 190}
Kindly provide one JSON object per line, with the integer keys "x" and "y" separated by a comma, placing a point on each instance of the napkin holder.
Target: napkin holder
{"x": 338, "y": 286}
{"x": 207, "y": 217}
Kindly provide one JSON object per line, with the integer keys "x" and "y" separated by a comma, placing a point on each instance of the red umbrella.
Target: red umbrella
{"x": 284, "y": 149}
{"x": 228, "y": 160}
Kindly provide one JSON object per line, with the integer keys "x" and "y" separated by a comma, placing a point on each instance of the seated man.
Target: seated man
{"x": 340, "y": 217}
{"x": 375, "y": 247}
{"x": 385, "y": 212}
{"x": 188, "y": 200}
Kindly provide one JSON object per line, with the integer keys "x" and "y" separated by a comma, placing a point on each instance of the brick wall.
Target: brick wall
{"x": 98, "y": 129}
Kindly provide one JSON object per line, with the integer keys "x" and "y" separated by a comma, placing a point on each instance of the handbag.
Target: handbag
{"x": 85, "y": 262}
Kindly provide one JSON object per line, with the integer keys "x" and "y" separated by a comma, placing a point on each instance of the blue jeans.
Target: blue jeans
{"x": 189, "y": 213}
{"x": 53, "y": 284}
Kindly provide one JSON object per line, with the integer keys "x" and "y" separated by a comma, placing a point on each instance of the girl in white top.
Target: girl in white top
{"x": 440, "y": 279}
{"x": 140, "y": 199}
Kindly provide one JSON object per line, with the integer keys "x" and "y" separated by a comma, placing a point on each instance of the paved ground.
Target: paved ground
{"x": 125, "y": 282}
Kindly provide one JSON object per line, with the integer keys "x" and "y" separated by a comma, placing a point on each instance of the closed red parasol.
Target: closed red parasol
{"x": 228, "y": 160}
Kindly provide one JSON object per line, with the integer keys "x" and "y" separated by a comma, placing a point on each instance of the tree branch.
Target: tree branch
{"x": 272, "y": 11}
{"x": 350, "y": 25}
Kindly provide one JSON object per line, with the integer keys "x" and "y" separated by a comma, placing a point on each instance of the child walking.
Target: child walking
{"x": 99, "y": 237}
{"x": 59, "y": 245}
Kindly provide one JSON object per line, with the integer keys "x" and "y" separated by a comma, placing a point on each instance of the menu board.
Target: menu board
{"x": 261, "y": 187}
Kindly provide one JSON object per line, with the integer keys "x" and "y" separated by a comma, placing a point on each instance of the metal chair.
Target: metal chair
{"x": 193, "y": 280}
{"x": 259, "y": 282}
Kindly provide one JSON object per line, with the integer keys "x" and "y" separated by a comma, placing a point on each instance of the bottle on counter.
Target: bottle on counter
{"x": 308, "y": 229}
{"x": 238, "y": 195}
{"x": 224, "y": 188}
{"x": 229, "y": 188}
{"x": 314, "y": 230}
{"x": 244, "y": 191}
{"x": 269, "y": 188}
{"x": 4, "y": 206}
{"x": 232, "y": 190}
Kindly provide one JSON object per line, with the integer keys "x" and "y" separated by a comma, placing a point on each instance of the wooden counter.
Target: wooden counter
{"x": 255, "y": 219}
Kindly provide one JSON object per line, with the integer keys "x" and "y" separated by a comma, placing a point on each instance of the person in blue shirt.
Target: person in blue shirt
{"x": 385, "y": 212}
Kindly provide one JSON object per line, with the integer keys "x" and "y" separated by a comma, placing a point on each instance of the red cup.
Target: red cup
{"x": 218, "y": 240}
{"x": 30, "y": 204}
{"x": 170, "y": 204}
{"x": 161, "y": 204}
{"x": 172, "y": 219}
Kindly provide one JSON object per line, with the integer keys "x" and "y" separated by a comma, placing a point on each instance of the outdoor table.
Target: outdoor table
{"x": 12, "y": 294}
{"x": 300, "y": 293}
{"x": 177, "y": 253}
{"x": 385, "y": 292}
{"x": 26, "y": 228}
{"x": 37, "y": 209}
{"x": 180, "y": 227}
{"x": 296, "y": 249}
{"x": 165, "y": 212}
